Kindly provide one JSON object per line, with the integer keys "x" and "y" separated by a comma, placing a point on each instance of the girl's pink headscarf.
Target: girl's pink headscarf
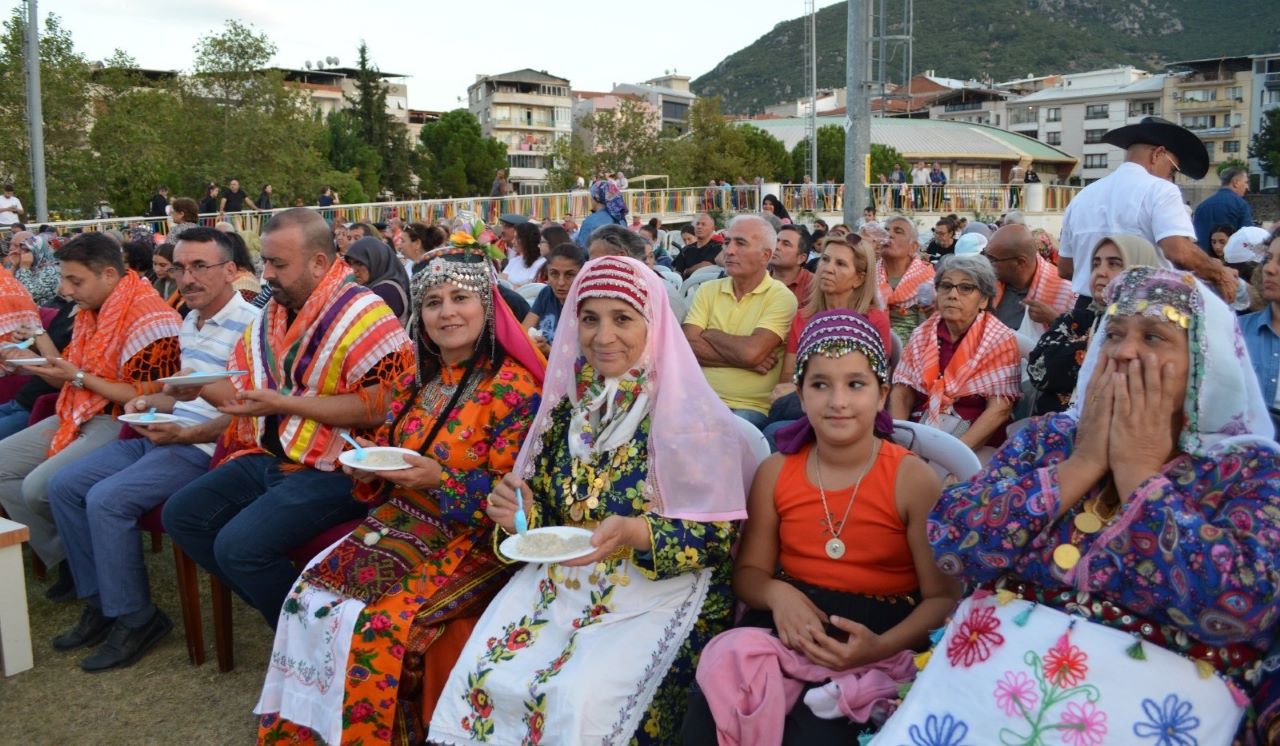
{"x": 700, "y": 465}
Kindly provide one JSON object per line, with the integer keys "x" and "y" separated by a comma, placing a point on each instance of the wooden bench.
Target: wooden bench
{"x": 15, "y": 625}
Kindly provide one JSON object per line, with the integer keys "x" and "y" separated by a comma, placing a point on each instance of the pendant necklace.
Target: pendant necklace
{"x": 835, "y": 547}
{"x": 1090, "y": 520}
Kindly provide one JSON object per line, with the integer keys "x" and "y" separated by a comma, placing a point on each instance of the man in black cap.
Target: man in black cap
{"x": 1140, "y": 199}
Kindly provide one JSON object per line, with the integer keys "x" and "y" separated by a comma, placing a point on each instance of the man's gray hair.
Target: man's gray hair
{"x": 1014, "y": 217}
{"x": 1229, "y": 175}
{"x": 771, "y": 219}
{"x": 770, "y": 234}
{"x": 624, "y": 241}
{"x": 974, "y": 265}
{"x": 915, "y": 234}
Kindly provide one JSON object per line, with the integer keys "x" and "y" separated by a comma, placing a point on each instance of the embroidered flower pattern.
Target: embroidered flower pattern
{"x": 939, "y": 731}
{"x": 976, "y": 638}
{"x": 1016, "y": 693}
{"x": 1083, "y": 724}
{"x": 1170, "y": 722}
{"x": 1054, "y": 688}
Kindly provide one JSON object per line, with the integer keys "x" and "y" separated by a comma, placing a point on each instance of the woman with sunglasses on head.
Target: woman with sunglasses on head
{"x": 960, "y": 370}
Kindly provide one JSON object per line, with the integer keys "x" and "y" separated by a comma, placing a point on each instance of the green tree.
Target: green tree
{"x": 1265, "y": 145}
{"x": 347, "y": 151}
{"x": 570, "y": 158}
{"x": 64, "y": 86}
{"x": 626, "y": 139}
{"x": 830, "y": 156}
{"x": 768, "y": 154}
{"x": 457, "y": 159}
{"x": 388, "y": 137}
{"x": 883, "y": 159}
{"x": 713, "y": 148}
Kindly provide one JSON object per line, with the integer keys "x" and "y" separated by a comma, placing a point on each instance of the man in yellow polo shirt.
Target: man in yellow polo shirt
{"x": 736, "y": 324}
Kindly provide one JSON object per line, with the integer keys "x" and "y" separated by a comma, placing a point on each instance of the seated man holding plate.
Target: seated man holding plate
{"x": 124, "y": 337}
{"x": 98, "y": 499}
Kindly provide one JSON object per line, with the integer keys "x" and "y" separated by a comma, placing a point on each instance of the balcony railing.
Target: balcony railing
{"x": 1271, "y": 80}
{"x": 987, "y": 199}
{"x": 669, "y": 204}
{"x": 964, "y": 106}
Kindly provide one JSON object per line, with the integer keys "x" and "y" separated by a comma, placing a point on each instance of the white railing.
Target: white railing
{"x": 985, "y": 199}
{"x": 665, "y": 204}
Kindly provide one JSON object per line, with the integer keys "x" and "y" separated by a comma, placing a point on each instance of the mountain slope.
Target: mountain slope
{"x": 1003, "y": 39}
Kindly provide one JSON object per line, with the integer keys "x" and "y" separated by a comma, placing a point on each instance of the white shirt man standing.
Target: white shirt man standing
{"x": 10, "y": 208}
{"x": 1140, "y": 199}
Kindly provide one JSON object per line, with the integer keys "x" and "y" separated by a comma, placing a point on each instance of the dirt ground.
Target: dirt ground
{"x": 162, "y": 699}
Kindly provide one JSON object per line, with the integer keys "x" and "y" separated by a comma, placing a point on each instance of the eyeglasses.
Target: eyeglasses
{"x": 964, "y": 288}
{"x": 1173, "y": 163}
{"x": 197, "y": 269}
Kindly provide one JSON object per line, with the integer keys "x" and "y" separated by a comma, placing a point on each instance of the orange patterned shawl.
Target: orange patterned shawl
{"x": 985, "y": 363}
{"x": 918, "y": 273}
{"x": 17, "y": 309}
{"x": 102, "y": 341}
{"x": 1046, "y": 287}
{"x": 340, "y": 334}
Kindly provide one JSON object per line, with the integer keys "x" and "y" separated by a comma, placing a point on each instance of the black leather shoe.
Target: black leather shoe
{"x": 64, "y": 588}
{"x": 89, "y": 631}
{"x": 125, "y": 645}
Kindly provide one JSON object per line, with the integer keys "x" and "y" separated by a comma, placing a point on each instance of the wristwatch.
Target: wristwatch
{"x": 78, "y": 381}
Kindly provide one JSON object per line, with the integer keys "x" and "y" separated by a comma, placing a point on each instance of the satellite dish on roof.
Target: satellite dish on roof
{"x": 333, "y": 61}
{"x": 307, "y": 64}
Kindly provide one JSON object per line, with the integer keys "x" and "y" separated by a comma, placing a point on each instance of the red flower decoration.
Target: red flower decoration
{"x": 379, "y": 622}
{"x": 481, "y": 705}
{"x": 1065, "y": 664}
{"x": 974, "y": 641}
{"x": 483, "y": 397}
{"x": 361, "y": 711}
{"x": 519, "y": 638}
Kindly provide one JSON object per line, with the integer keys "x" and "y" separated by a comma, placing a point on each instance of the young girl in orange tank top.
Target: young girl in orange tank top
{"x": 834, "y": 559}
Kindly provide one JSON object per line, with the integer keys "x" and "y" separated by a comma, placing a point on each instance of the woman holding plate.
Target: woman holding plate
{"x": 632, "y": 442}
{"x": 375, "y": 623}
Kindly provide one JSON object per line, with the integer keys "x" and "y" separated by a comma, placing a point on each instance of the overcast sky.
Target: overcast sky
{"x": 443, "y": 45}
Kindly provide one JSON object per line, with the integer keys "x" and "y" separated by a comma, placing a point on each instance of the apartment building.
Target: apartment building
{"x": 1266, "y": 96}
{"x": 528, "y": 111}
{"x": 1213, "y": 98}
{"x": 1075, "y": 113}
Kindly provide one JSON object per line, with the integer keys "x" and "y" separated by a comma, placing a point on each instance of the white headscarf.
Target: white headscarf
{"x": 1224, "y": 404}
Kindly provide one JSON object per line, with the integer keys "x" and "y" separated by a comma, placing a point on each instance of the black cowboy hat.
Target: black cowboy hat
{"x": 1193, "y": 159}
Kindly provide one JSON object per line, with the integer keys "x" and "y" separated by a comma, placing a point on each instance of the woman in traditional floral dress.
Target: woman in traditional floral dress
{"x": 1125, "y": 552}
{"x": 632, "y": 442}
{"x": 375, "y": 623}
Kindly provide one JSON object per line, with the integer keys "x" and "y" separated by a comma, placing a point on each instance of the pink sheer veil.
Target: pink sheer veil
{"x": 700, "y": 465}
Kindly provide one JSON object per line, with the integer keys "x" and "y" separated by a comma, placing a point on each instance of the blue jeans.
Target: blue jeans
{"x": 771, "y": 432}
{"x": 750, "y": 415}
{"x": 240, "y": 521}
{"x": 97, "y": 501}
{"x": 13, "y": 417}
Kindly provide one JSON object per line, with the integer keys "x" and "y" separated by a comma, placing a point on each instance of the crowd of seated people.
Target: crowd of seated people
{"x": 1107, "y": 575}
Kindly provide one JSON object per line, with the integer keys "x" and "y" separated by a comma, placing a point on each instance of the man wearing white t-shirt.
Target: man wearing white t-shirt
{"x": 1140, "y": 199}
{"x": 10, "y": 208}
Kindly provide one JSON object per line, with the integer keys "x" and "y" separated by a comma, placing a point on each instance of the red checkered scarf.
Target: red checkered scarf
{"x": 985, "y": 364}
{"x": 918, "y": 273}
{"x": 1046, "y": 287}
{"x": 17, "y": 309}
{"x": 102, "y": 341}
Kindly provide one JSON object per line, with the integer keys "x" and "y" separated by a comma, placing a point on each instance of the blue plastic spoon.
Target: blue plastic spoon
{"x": 360, "y": 454}
{"x": 522, "y": 521}
{"x": 150, "y": 415}
{"x": 17, "y": 345}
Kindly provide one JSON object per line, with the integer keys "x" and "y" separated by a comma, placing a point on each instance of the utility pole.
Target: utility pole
{"x": 857, "y": 123}
{"x": 35, "y": 113}
{"x": 812, "y": 32}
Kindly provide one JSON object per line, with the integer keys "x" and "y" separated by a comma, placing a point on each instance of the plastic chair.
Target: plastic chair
{"x": 531, "y": 290}
{"x": 943, "y": 451}
{"x": 696, "y": 280}
{"x": 755, "y": 439}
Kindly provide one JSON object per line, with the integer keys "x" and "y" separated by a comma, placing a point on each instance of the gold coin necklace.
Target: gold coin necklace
{"x": 835, "y": 547}
{"x": 1085, "y": 523}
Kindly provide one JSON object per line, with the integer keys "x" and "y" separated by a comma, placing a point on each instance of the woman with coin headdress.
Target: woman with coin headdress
{"x": 370, "y": 631}
{"x": 1124, "y": 553}
{"x": 631, "y": 443}
{"x": 835, "y": 567}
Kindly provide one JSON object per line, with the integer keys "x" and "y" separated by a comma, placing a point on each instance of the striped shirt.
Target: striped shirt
{"x": 207, "y": 349}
